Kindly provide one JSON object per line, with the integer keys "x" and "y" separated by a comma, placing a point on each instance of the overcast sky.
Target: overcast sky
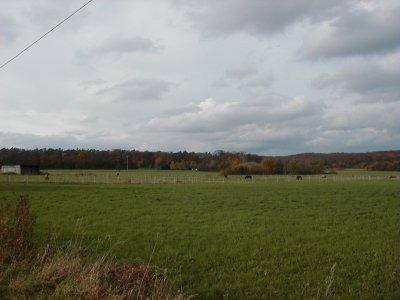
{"x": 267, "y": 77}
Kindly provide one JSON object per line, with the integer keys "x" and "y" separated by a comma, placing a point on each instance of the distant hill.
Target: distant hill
{"x": 379, "y": 160}
{"x": 221, "y": 161}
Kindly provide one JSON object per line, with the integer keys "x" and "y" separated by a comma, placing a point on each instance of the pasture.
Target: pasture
{"x": 152, "y": 176}
{"x": 260, "y": 239}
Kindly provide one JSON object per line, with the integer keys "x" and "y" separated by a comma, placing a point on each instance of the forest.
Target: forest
{"x": 218, "y": 161}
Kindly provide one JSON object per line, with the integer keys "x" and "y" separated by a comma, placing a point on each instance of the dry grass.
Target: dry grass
{"x": 329, "y": 281}
{"x": 16, "y": 229}
{"x": 31, "y": 271}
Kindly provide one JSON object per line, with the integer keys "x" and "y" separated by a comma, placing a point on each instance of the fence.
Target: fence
{"x": 180, "y": 179}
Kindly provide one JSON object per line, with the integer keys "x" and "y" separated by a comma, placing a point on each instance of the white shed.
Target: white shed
{"x": 20, "y": 169}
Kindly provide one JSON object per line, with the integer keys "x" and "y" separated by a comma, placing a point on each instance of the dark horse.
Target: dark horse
{"x": 248, "y": 177}
{"x": 298, "y": 177}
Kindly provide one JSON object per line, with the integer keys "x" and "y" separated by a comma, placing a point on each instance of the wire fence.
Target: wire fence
{"x": 179, "y": 179}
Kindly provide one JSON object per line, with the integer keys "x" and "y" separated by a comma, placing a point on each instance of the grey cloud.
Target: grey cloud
{"x": 122, "y": 45}
{"x": 89, "y": 120}
{"x": 263, "y": 125}
{"x": 220, "y": 83}
{"x": 240, "y": 72}
{"x": 45, "y": 14}
{"x": 355, "y": 32}
{"x": 190, "y": 108}
{"x": 370, "y": 81}
{"x": 246, "y": 77}
{"x": 138, "y": 89}
{"x": 91, "y": 82}
{"x": 281, "y": 126}
{"x": 260, "y": 81}
{"x": 256, "y": 17}
{"x": 92, "y": 85}
{"x": 339, "y": 28}
{"x": 214, "y": 117}
{"x": 254, "y": 139}
{"x": 8, "y": 30}
{"x": 32, "y": 141}
{"x": 354, "y": 140}
{"x": 364, "y": 116}
{"x": 68, "y": 140}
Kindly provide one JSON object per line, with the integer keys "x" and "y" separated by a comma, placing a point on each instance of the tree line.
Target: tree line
{"x": 218, "y": 161}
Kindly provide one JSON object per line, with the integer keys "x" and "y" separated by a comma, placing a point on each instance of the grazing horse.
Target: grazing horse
{"x": 248, "y": 177}
{"x": 392, "y": 177}
{"x": 224, "y": 173}
{"x": 298, "y": 177}
{"x": 323, "y": 176}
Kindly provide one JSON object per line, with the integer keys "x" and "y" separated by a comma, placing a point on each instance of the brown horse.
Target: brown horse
{"x": 298, "y": 177}
{"x": 248, "y": 177}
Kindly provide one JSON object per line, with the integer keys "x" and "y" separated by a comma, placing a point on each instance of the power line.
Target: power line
{"x": 29, "y": 46}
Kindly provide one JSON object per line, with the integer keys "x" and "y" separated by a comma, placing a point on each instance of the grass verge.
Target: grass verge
{"x": 29, "y": 270}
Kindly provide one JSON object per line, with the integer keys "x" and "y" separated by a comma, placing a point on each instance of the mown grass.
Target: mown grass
{"x": 248, "y": 241}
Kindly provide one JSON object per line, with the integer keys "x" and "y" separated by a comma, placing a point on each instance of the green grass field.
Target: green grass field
{"x": 145, "y": 176}
{"x": 271, "y": 240}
